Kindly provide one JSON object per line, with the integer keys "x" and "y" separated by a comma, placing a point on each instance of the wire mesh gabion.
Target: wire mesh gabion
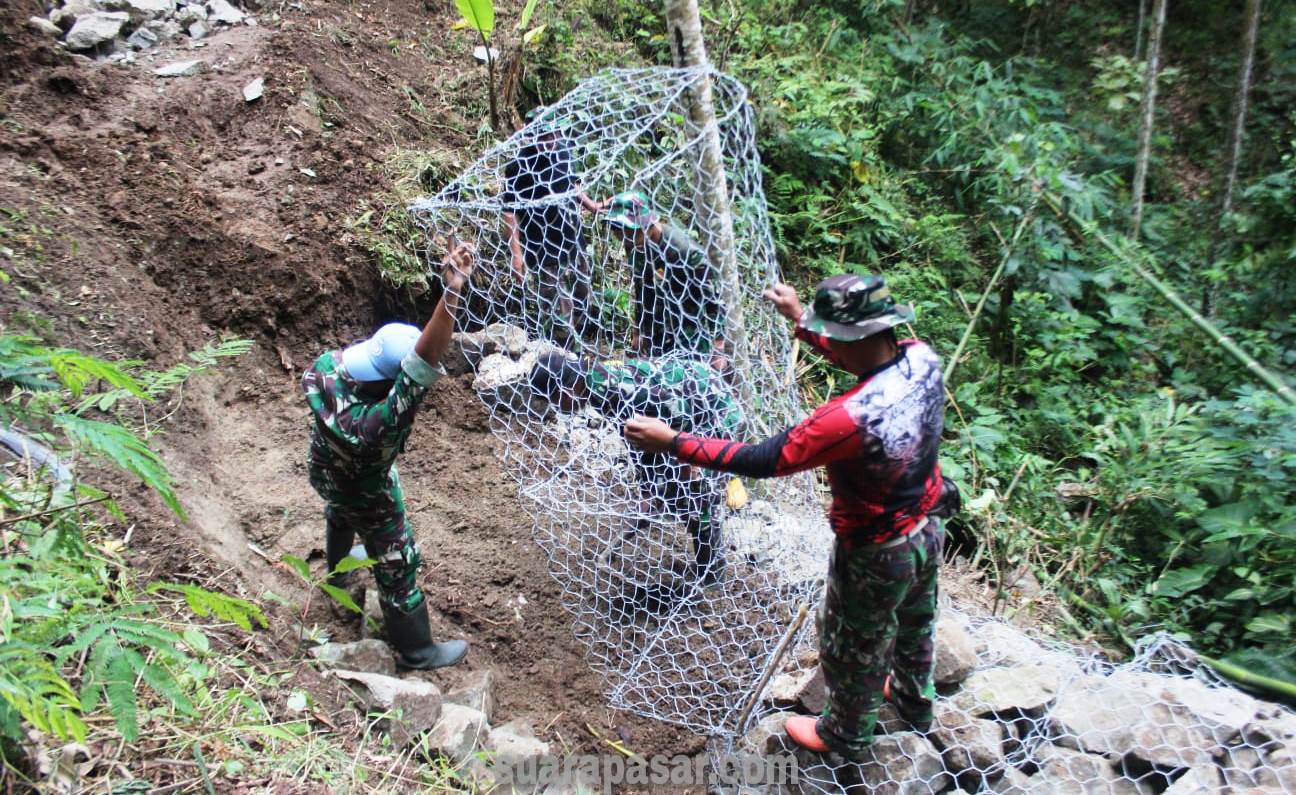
{"x": 669, "y": 647}
{"x": 621, "y": 534}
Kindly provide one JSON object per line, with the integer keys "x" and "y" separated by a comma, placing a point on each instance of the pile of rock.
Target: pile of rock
{"x": 413, "y": 711}
{"x": 115, "y": 28}
{"x": 1018, "y": 717}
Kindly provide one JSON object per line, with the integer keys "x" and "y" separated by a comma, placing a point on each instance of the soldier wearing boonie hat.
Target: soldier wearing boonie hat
{"x": 363, "y": 401}
{"x": 879, "y": 442}
{"x": 677, "y": 307}
{"x": 546, "y": 239}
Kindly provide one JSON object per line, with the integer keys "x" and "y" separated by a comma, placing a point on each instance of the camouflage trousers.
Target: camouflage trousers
{"x": 878, "y": 618}
{"x": 675, "y": 489}
{"x": 558, "y": 305}
{"x": 376, "y": 515}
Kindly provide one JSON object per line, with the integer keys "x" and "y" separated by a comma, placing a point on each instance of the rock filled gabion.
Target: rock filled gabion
{"x": 1015, "y": 715}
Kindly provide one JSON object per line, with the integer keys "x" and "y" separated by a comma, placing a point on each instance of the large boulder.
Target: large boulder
{"x": 141, "y": 10}
{"x": 1145, "y": 716}
{"x": 468, "y": 348}
{"x": 1028, "y": 689}
{"x": 999, "y": 643}
{"x": 369, "y": 656}
{"x": 1066, "y": 772}
{"x": 515, "y": 758}
{"x": 967, "y": 743}
{"x": 903, "y": 764}
{"x": 94, "y": 29}
{"x": 956, "y": 656}
{"x": 66, "y": 15}
{"x": 410, "y": 706}
{"x": 504, "y": 382}
{"x": 802, "y": 689}
{"x": 1012, "y": 782}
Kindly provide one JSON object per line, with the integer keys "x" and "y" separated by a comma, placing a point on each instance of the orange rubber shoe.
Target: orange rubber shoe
{"x": 886, "y": 689}
{"x": 804, "y": 732}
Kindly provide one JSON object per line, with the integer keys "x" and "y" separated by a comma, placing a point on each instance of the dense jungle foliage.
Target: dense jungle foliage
{"x": 1103, "y": 442}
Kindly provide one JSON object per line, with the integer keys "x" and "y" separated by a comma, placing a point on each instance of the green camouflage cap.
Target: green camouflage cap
{"x": 543, "y": 120}
{"x": 850, "y": 307}
{"x": 630, "y": 210}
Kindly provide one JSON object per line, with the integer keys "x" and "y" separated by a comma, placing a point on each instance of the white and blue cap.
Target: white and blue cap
{"x": 379, "y": 357}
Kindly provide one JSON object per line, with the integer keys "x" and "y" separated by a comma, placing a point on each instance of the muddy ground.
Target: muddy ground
{"x": 144, "y": 217}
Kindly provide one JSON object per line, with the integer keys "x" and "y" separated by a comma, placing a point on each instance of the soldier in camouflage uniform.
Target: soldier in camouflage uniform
{"x": 677, "y": 307}
{"x": 879, "y": 442}
{"x": 685, "y": 391}
{"x": 363, "y": 401}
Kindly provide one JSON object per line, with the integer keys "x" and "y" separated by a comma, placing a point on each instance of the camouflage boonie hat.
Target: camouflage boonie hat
{"x": 850, "y": 307}
{"x": 630, "y": 210}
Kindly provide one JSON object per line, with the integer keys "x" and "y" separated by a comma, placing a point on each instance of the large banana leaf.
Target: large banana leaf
{"x": 480, "y": 14}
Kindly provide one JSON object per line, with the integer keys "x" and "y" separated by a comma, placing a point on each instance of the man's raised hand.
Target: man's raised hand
{"x": 784, "y": 298}
{"x": 457, "y": 266}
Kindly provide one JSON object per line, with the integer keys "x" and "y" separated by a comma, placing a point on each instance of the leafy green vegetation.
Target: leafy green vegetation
{"x": 1101, "y": 440}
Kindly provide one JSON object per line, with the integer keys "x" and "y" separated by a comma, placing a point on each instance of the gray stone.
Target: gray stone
{"x": 411, "y": 706}
{"x": 1012, "y": 782}
{"x": 165, "y": 29}
{"x": 458, "y": 734}
{"x": 67, "y": 15}
{"x": 221, "y": 11}
{"x": 181, "y": 69}
{"x": 254, "y": 90}
{"x": 505, "y": 382}
{"x": 1028, "y": 688}
{"x": 369, "y": 656}
{"x": 1066, "y": 772}
{"x": 477, "y": 690}
{"x": 141, "y": 10}
{"x": 198, "y": 30}
{"x": 804, "y": 689}
{"x": 1203, "y": 780}
{"x": 767, "y": 737}
{"x": 967, "y": 743}
{"x": 515, "y": 742}
{"x": 95, "y": 29}
{"x": 1133, "y": 714}
{"x": 43, "y": 25}
{"x": 142, "y": 39}
{"x": 467, "y": 349}
{"x": 1002, "y": 644}
{"x": 372, "y": 624}
{"x": 903, "y": 764}
{"x": 187, "y": 15}
{"x": 956, "y": 656}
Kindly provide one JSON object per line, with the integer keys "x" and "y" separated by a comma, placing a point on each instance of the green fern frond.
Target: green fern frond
{"x": 161, "y": 680}
{"x": 120, "y": 686}
{"x": 124, "y": 449}
{"x": 75, "y": 370}
{"x": 36, "y": 690}
{"x": 205, "y": 603}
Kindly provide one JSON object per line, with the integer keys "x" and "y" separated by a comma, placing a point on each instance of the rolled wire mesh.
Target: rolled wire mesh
{"x": 670, "y": 644}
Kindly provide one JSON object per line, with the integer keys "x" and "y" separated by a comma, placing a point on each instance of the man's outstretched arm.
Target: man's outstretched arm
{"x": 828, "y": 435}
{"x": 435, "y": 339}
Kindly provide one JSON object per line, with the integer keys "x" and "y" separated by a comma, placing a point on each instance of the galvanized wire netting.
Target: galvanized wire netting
{"x": 686, "y": 643}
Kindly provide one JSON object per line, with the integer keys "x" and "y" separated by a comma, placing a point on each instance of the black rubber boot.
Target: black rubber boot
{"x": 337, "y": 545}
{"x": 411, "y": 634}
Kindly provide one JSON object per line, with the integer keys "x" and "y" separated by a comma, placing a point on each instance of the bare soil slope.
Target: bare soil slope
{"x": 143, "y": 216}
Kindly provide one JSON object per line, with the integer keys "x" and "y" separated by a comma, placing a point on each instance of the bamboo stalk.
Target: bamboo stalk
{"x": 773, "y": 663}
{"x": 1246, "y": 677}
{"x": 976, "y": 313}
{"x": 1271, "y": 379}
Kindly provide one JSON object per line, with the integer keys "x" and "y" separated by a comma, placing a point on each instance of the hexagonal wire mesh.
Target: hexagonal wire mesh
{"x": 669, "y": 326}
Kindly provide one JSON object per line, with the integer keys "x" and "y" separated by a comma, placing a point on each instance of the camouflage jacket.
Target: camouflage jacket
{"x": 354, "y": 440}
{"x": 686, "y": 393}
{"x": 677, "y": 307}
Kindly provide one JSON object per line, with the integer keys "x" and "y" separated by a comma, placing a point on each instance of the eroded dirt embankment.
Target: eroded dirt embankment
{"x": 145, "y": 216}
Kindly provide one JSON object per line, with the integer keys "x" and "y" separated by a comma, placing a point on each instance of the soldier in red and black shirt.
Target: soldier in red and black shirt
{"x": 879, "y": 442}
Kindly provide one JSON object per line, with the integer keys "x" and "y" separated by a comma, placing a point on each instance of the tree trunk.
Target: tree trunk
{"x": 1147, "y": 112}
{"x": 1138, "y": 33}
{"x": 711, "y": 193}
{"x": 1233, "y": 152}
